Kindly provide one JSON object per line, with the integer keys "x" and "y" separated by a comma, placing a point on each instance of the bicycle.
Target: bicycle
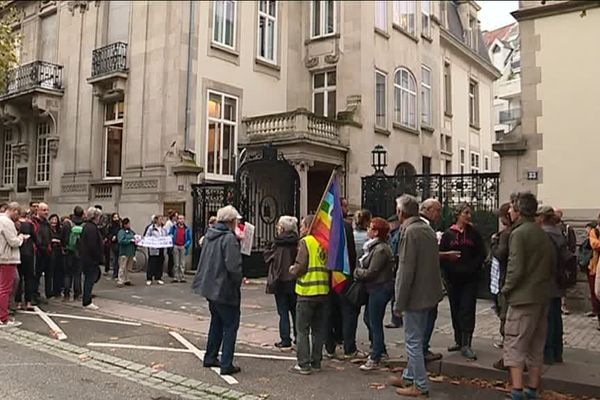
{"x": 140, "y": 260}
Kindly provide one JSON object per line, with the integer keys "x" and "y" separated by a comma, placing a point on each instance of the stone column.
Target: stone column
{"x": 302, "y": 168}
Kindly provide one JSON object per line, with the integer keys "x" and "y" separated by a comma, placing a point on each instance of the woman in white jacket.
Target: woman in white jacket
{"x": 10, "y": 257}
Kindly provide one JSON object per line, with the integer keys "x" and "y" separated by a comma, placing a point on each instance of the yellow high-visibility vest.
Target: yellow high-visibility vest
{"x": 316, "y": 280}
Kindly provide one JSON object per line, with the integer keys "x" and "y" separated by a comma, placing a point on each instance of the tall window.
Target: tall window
{"x": 381, "y": 15}
{"x": 405, "y": 98}
{"x": 42, "y": 157}
{"x": 8, "y": 166}
{"x": 486, "y": 164}
{"x": 380, "y": 103}
{"x": 405, "y": 15}
{"x": 222, "y": 135}
{"x": 426, "y": 165}
{"x": 267, "y": 30}
{"x": 324, "y": 94}
{"x": 322, "y": 18}
{"x": 472, "y": 33}
{"x": 426, "y": 18}
{"x": 426, "y": 102}
{"x": 114, "y": 113}
{"x": 462, "y": 161}
{"x": 224, "y": 22}
{"x": 474, "y": 163}
{"x": 447, "y": 89}
{"x": 473, "y": 103}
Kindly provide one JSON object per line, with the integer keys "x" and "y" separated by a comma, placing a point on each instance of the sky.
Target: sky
{"x": 496, "y": 13}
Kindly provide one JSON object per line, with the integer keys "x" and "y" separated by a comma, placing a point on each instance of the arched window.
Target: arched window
{"x": 405, "y": 169}
{"x": 405, "y": 98}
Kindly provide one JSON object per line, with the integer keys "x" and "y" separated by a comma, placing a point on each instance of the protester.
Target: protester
{"x": 212, "y": 221}
{"x": 362, "y": 220}
{"x": 72, "y": 231}
{"x": 42, "y": 256}
{"x": 463, "y": 257}
{"x": 33, "y": 209}
{"x": 156, "y": 257}
{"x": 571, "y": 237}
{"x": 280, "y": 282}
{"x": 112, "y": 231}
{"x": 376, "y": 270}
{"x": 527, "y": 292}
{"x": 219, "y": 279}
{"x": 312, "y": 289}
{"x": 91, "y": 245}
{"x": 431, "y": 213}
{"x": 56, "y": 256}
{"x": 396, "y": 321}
{"x": 126, "y": 243}
{"x": 418, "y": 290}
{"x": 24, "y": 294}
{"x": 181, "y": 235}
{"x": 10, "y": 257}
{"x": 593, "y": 242}
{"x": 553, "y": 349}
{"x": 171, "y": 221}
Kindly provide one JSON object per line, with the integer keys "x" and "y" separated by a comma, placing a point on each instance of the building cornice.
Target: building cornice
{"x": 449, "y": 38}
{"x": 553, "y": 8}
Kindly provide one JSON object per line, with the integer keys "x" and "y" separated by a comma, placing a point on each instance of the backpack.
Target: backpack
{"x": 585, "y": 255}
{"x": 567, "y": 267}
{"x": 74, "y": 236}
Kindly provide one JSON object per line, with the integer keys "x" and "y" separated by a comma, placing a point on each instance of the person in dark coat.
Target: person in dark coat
{"x": 73, "y": 265}
{"x": 91, "y": 248}
{"x": 112, "y": 232}
{"x": 24, "y": 294}
{"x": 42, "y": 254}
{"x": 219, "y": 279}
{"x": 280, "y": 282}
{"x": 56, "y": 256}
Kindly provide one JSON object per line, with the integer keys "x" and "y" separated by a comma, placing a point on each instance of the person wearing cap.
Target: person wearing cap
{"x": 219, "y": 279}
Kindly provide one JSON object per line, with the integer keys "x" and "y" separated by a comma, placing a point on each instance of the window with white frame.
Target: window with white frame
{"x": 426, "y": 96}
{"x": 380, "y": 99}
{"x": 267, "y": 30}
{"x": 426, "y": 18}
{"x": 322, "y": 18}
{"x": 8, "y": 165}
{"x": 462, "y": 161}
{"x": 405, "y": 98}
{"x": 221, "y": 135}
{"x": 472, "y": 33}
{"x": 405, "y": 15}
{"x": 42, "y": 156}
{"x": 381, "y": 15}
{"x": 486, "y": 164}
{"x": 474, "y": 163}
{"x": 114, "y": 114}
{"x": 447, "y": 89}
{"x": 324, "y": 93}
{"x": 473, "y": 103}
{"x": 224, "y": 22}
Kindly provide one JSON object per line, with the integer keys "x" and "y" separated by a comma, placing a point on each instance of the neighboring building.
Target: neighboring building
{"x": 504, "y": 50}
{"x": 553, "y": 152}
{"x": 125, "y": 104}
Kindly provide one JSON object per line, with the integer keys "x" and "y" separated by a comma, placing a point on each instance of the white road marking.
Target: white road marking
{"x": 60, "y": 335}
{"x": 137, "y": 347}
{"x": 110, "y": 321}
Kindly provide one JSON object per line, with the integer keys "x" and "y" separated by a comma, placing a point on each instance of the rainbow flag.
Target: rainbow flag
{"x": 328, "y": 229}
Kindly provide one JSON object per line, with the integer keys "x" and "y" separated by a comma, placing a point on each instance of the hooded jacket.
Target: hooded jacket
{"x": 279, "y": 258}
{"x": 66, "y": 230}
{"x": 219, "y": 274}
{"x": 560, "y": 245}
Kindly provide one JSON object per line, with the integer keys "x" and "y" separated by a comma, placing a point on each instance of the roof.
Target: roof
{"x": 500, "y": 34}
{"x": 456, "y": 29}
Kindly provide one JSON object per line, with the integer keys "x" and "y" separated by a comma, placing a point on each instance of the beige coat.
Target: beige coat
{"x": 9, "y": 241}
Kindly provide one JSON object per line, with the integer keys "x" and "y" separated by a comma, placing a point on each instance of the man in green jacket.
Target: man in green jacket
{"x": 526, "y": 290}
{"x": 126, "y": 241}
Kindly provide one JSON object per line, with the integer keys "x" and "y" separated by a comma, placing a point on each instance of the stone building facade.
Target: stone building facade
{"x": 127, "y": 103}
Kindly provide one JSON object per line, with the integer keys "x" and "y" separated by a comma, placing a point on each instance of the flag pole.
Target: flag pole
{"x": 322, "y": 199}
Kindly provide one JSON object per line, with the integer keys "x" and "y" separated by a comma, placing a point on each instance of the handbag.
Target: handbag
{"x": 357, "y": 293}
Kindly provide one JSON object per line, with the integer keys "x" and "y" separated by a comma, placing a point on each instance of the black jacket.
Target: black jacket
{"x": 279, "y": 258}
{"x": 90, "y": 244}
{"x": 472, "y": 253}
{"x": 351, "y": 245}
{"x": 26, "y": 228}
{"x": 43, "y": 236}
{"x": 500, "y": 252}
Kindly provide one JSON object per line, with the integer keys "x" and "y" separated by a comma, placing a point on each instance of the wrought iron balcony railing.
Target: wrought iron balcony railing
{"x": 510, "y": 116}
{"x": 109, "y": 59}
{"x": 35, "y": 75}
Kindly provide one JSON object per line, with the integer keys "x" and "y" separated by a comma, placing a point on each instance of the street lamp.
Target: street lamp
{"x": 379, "y": 159}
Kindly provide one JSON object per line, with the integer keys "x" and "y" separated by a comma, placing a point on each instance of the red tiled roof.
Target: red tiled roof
{"x": 500, "y": 33}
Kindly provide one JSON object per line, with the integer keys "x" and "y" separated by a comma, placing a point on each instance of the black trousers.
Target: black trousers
{"x": 170, "y": 262}
{"x": 462, "y": 294}
{"x": 26, "y": 279}
{"x": 43, "y": 266}
{"x": 155, "y": 267}
{"x": 91, "y": 274}
{"x": 72, "y": 275}
{"x": 334, "y": 327}
{"x": 58, "y": 272}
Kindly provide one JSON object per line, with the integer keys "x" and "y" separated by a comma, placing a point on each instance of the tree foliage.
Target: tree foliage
{"x": 9, "y": 40}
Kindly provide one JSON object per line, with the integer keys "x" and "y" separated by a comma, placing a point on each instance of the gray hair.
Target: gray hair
{"x": 228, "y": 214}
{"x": 407, "y": 205}
{"x": 288, "y": 224}
{"x": 93, "y": 213}
{"x": 13, "y": 206}
{"x": 426, "y": 204}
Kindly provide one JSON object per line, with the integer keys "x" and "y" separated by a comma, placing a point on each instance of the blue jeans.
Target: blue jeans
{"x": 415, "y": 324}
{"x": 378, "y": 300}
{"x": 431, "y": 317}
{"x": 224, "y": 324}
{"x": 286, "y": 305}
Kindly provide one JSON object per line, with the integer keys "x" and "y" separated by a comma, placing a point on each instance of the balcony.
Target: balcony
{"x": 509, "y": 89}
{"x": 292, "y": 127}
{"x": 509, "y": 117}
{"x": 109, "y": 70}
{"x": 36, "y": 76}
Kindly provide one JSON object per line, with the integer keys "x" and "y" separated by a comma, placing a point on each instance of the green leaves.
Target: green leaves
{"x": 9, "y": 40}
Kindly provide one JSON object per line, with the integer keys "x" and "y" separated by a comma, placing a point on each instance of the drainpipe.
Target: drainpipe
{"x": 188, "y": 90}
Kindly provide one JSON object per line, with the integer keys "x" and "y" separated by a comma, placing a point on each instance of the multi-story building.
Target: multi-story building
{"x": 127, "y": 103}
{"x": 554, "y": 148}
{"x": 504, "y": 51}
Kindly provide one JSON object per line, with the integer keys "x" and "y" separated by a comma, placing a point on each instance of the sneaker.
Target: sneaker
{"x": 591, "y": 314}
{"x": 231, "y": 371}
{"x": 357, "y": 354}
{"x": 174, "y": 280}
{"x": 11, "y": 323}
{"x": 160, "y": 282}
{"x": 128, "y": 283}
{"x": 468, "y": 353}
{"x": 148, "y": 283}
{"x": 385, "y": 357}
{"x": 182, "y": 281}
{"x": 296, "y": 369}
{"x": 430, "y": 356}
{"x": 91, "y": 306}
{"x": 499, "y": 365}
{"x": 531, "y": 394}
{"x": 454, "y": 347}
{"x": 316, "y": 368}
{"x": 369, "y": 365}
{"x": 216, "y": 364}
{"x": 120, "y": 284}
{"x": 281, "y": 345}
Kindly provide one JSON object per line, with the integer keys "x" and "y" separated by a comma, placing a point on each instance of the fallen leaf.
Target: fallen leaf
{"x": 338, "y": 368}
{"x": 397, "y": 369}
{"x": 376, "y": 386}
{"x": 114, "y": 338}
{"x": 438, "y": 378}
{"x": 157, "y": 366}
{"x": 84, "y": 357}
{"x": 455, "y": 382}
{"x": 385, "y": 369}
